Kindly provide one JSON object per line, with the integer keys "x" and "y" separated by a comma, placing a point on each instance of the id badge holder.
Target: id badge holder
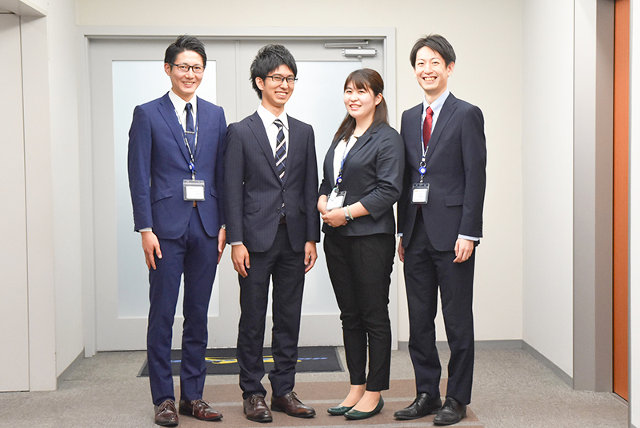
{"x": 336, "y": 199}
{"x": 193, "y": 190}
{"x": 420, "y": 193}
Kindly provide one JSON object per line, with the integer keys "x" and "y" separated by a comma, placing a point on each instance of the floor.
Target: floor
{"x": 511, "y": 389}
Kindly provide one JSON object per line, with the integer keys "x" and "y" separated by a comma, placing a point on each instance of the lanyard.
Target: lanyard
{"x": 192, "y": 163}
{"x": 344, "y": 156}
{"x": 422, "y": 167}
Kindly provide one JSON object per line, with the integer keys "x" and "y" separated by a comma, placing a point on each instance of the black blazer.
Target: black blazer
{"x": 254, "y": 193}
{"x": 456, "y": 163}
{"x": 372, "y": 175}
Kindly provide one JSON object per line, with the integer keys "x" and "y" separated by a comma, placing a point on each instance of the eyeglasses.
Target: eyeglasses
{"x": 197, "y": 69}
{"x": 279, "y": 79}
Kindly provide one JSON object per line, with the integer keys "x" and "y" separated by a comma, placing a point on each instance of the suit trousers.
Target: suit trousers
{"x": 426, "y": 270}
{"x": 195, "y": 253}
{"x": 286, "y": 268}
{"x": 360, "y": 271}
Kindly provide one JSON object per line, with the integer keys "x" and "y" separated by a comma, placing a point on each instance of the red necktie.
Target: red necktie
{"x": 426, "y": 127}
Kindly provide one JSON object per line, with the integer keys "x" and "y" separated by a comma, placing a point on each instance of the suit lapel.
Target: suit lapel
{"x": 449, "y": 107}
{"x": 257, "y": 128}
{"x": 414, "y": 140}
{"x": 168, "y": 113}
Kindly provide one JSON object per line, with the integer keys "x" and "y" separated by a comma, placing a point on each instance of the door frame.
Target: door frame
{"x": 386, "y": 35}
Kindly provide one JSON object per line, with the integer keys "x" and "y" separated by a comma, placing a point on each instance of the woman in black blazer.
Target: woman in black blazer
{"x": 362, "y": 180}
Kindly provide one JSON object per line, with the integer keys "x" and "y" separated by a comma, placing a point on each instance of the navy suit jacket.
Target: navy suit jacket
{"x": 372, "y": 174}
{"x": 254, "y": 194}
{"x": 158, "y": 163}
{"x": 456, "y": 163}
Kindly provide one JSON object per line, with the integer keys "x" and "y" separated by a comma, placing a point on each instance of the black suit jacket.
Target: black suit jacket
{"x": 254, "y": 193}
{"x": 372, "y": 174}
{"x": 456, "y": 163}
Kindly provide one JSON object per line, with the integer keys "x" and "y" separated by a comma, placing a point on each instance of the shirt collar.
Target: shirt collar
{"x": 268, "y": 117}
{"x": 436, "y": 106}
{"x": 179, "y": 104}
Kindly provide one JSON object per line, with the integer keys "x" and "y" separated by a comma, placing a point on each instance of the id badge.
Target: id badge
{"x": 193, "y": 190}
{"x": 420, "y": 193}
{"x": 336, "y": 199}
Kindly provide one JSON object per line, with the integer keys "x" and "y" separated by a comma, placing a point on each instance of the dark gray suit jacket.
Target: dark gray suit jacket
{"x": 372, "y": 175}
{"x": 254, "y": 193}
{"x": 456, "y": 163}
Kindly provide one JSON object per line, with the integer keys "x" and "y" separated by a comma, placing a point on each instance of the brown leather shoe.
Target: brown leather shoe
{"x": 166, "y": 414}
{"x": 199, "y": 409}
{"x": 256, "y": 409}
{"x": 292, "y": 406}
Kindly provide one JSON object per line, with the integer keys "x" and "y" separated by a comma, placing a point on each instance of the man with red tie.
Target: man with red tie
{"x": 440, "y": 224}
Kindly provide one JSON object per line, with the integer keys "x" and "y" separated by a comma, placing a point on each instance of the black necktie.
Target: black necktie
{"x": 190, "y": 131}
{"x": 281, "y": 149}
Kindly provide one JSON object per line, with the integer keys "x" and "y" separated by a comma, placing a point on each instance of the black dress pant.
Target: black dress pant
{"x": 426, "y": 270}
{"x": 286, "y": 268}
{"x": 360, "y": 271}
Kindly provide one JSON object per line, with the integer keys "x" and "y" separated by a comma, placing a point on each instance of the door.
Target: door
{"x": 14, "y": 362}
{"x": 127, "y": 72}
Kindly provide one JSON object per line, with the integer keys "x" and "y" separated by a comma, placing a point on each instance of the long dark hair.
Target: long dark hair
{"x": 364, "y": 78}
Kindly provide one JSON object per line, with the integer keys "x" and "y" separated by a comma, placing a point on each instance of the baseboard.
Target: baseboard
{"x": 66, "y": 371}
{"x": 548, "y": 363}
{"x": 508, "y": 344}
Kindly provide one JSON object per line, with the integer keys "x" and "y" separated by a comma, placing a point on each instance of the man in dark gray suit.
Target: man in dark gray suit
{"x": 271, "y": 189}
{"x": 440, "y": 219}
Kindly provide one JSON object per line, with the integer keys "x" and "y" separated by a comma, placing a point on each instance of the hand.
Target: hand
{"x": 463, "y": 249}
{"x": 401, "y": 251}
{"x": 150, "y": 246}
{"x": 222, "y": 241}
{"x": 310, "y": 255}
{"x": 335, "y": 218}
{"x": 240, "y": 258}
{"x": 322, "y": 204}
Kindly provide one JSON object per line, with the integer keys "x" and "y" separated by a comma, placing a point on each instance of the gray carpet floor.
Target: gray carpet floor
{"x": 511, "y": 389}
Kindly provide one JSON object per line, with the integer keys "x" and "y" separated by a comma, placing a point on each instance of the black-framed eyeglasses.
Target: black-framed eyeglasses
{"x": 197, "y": 69}
{"x": 279, "y": 79}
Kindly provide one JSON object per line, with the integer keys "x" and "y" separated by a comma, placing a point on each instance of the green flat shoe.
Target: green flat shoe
{"x": 357, "y": 414}
{"x": 338, "y": 410}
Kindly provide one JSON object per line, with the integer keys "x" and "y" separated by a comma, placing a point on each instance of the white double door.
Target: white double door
{"x": 128, "y": 72}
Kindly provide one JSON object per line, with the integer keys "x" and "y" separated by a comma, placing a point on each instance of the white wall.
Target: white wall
{"x": 488, "y": 73}
{"x": 634, "y": 216}
{"x": 547, "y": 169}
{"x": 64, "y": 78}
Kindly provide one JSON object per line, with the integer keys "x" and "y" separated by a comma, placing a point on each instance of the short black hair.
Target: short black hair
{"x": 269, "y": 58}
{"x": 436, "y": 43}
{"x": 184, "y": 43}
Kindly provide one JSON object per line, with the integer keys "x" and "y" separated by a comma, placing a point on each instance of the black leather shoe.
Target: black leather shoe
{"x": 165, "y": 414}
{"x": 256, "y": 409}
{"x": 290, "y": 404}
{"x": 451, "y": 413}
{"x": 423, "y": 405}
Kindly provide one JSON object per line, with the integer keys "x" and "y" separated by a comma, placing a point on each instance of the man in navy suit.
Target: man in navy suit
{"x": 175, "y": 177}
{"x": 271, "y": 189}
{"x": 440, "y": 221}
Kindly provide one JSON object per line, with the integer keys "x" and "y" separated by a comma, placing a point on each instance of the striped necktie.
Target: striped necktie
{"x": 281, "y": 149}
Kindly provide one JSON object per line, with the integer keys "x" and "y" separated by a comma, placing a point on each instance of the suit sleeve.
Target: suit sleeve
{"x": 406, "y": 178}
{"x": 311, "y": 191}
{"x": 139, "y": 169}
{"x": 222, "y": 128}
{"x": 233, "y": 184}
{"x": 474, "y": 158}
{"x": 389, "y": 170}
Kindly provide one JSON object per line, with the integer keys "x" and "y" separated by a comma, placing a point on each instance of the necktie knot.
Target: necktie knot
{"x": 429, "y": 112}
{"x": 278, "y": 123}
{"x": 188, "y": 107}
